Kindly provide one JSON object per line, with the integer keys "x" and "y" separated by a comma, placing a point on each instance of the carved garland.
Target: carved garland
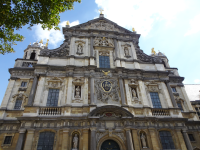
{"x": 20, "y": 96}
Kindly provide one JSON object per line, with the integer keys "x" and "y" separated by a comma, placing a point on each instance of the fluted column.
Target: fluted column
{"x": 21, "y": 139}
{"x": 187, "y": 140}
{"x": 92, "y": 90}
{"x": 121, "y": 85}
{"x": 33, "y": 90}
{"x": 93, "y": 139}
{"x": 171, "y": 94}
{"x": 129, "y": 140}
{"x": 65, "y": 139}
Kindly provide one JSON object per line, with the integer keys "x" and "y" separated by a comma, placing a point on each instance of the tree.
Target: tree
{"x": 16, "y": 13}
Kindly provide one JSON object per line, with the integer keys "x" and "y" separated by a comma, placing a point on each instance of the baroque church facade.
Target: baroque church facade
{"x": 97, "y": 91}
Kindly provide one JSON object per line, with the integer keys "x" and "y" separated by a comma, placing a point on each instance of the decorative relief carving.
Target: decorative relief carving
{"x": 55, "y": 82}
{"x": 104, "y": 95}
{"x": 153, "y": 86}
{"x": 146, "y": 58}
{"x": 22, "y": 73}
{"x": 120, "y": 135}
{"x": 20, "y": 96}
{"x": 102, "y": 25}
{"x": 78, "y": 81}
{"x": 103, "y": 41}
{"x": 99, "y": 135}
{"x": 104, "y": 53}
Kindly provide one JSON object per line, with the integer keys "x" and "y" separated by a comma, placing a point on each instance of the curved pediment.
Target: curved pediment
{"x": 110, "y": 112}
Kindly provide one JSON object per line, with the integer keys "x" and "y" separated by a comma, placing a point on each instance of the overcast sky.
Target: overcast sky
{"x": 171, "y": 26}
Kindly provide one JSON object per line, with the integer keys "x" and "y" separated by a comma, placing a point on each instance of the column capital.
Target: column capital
{"x": 66, "y": 129}
{"x": 31, "y": 130}
{"x": 93, "y": 129}
{"x": 22, "y": 130}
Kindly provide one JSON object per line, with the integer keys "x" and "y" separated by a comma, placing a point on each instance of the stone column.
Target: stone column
{"x": 129, "y": 140}
{"x": 154, "y": 139}
{"x": 187, "y": 140}
{"x": 29, "y": 139}
{"x": 21, "y": 139}
{"x": 181, "y": 140}
{"x": 85, "y": 139}
{"x": 135, "y": 139}
{"x": 92, "y": 90}
{"x": 65, "y": 139}
{"x": 171, "y": 94}
{"x": 93, "y": 139}
{"x": 33, "y": 90}
{"x": 116, "y": 48}
{"x": 121, "y": 85}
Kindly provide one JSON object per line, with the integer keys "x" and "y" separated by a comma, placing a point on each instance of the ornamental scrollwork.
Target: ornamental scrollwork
{"x": 103, "y": 41}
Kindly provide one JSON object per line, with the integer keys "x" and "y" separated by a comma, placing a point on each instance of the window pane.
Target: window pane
{"x": 191, "y": 137}
{"x": 46, "y": 141}
{"x": 7, "y": 140}
{"x": 166, "y": 140}
{"x": 23, "y": 84}
{"x": 53, "y": 96}
{"x": 173, "y": 89}
{"x": 180, "y": 106}
{"x": 18, "y": 104}
{"x": 155, "y": 100}
{"x": 104, "y": 62}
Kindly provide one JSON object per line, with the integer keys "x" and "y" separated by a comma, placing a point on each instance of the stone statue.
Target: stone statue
{"x": 126, "y": 51}
{"x": 143, "y": 139}
{"x": 77, "y": 92}
{"x": 133, "y": 92}
{"x": 75, "y": 142}
{"x": 80, "y": 49}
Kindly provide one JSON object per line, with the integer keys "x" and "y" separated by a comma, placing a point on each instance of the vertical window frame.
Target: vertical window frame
{"x": 165, "y": 139}
{"x": 155, "y": 99}
{"x": 24, "y": 84}
{"x": 41, "y": 144}
{"x": 17, "y": 102}
{"x": 50, "y": 102}
{"x": 174, "y": 89}
{"x": 191, "y": 137}
{"x": 104, "y": 61}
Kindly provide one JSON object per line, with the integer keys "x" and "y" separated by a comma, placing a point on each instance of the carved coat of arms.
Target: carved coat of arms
{"x": 106, "y": 85}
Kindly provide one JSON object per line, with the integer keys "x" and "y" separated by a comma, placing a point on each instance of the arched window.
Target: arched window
{"x": 166, "y": 140}
{"x": 33, "y": 55}
{"x": 46, "y": 141}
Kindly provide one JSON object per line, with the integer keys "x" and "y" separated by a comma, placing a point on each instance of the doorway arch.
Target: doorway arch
{"x": 110, "y": 145}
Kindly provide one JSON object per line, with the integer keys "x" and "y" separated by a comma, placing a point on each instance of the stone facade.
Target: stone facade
{"x": 68, "y": 96}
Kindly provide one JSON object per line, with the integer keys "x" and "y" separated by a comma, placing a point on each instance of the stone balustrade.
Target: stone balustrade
{"x": 28, "y": 64}
{"x": 47, "y": 111}
{"x": 160, "y": 112}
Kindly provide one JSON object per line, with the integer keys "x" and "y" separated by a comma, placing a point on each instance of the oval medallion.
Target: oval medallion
{"x": 106, "y": 85}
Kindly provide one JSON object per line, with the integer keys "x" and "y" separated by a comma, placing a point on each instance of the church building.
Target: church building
{"x": 97, "y": 91}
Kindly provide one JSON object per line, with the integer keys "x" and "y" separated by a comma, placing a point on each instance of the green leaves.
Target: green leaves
{"x": 16, "y": 13}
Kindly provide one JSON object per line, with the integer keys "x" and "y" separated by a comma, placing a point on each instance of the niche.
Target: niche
{"x": 33, "y": 55}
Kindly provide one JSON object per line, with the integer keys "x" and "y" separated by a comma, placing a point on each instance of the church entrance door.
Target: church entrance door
{"x": 110, "y": 145}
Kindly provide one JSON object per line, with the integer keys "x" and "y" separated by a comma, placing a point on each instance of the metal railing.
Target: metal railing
{"x": 160, "y": 112}
{"x": 50, "y": 111}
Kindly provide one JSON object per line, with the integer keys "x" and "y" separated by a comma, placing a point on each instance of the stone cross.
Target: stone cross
{"x": 100, "y": 10}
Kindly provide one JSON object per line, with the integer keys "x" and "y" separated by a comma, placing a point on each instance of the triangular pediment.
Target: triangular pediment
{"x": 104, "y": 24}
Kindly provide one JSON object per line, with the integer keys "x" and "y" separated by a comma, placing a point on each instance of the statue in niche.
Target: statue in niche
{"x": 133, "y": 92}
{"x": 75, "y": 142}
{"x": 77, "y": 92}
{"x": 79, "y": 49}
{"x": 143, "y": 139}
{"x": 126, "y": 52}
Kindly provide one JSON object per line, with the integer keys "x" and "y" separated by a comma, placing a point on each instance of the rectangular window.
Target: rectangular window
{"x": 18, "y": 104}
{"x": 7, "y": 140}
{"x": 23, "y": 84}
{"x": 166, "y": 140}
{"x": 46, "y": 141}
{"x": 180, "y": 105}
{"x": 155, "y": 100}
{"x": 104, "y": 62}
{"x": 191, "y": 137}
{"x": 174, "y": 89}
{"x": 196, "y": 108}
{"x": 53, "y": 96}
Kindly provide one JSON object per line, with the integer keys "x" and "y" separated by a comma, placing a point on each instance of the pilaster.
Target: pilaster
{"x": 93, "y": 139}
{"x": 65, "y": 139}
{"x": 154, "y": 139}
{"x": 181, "y": 140}
{"x": 29, "y": 139}
{"x": 129, "y": 140}
{"x": 187, "y": 99}
{"x": 143, "y": 93}
{"x": 85, "y": 138}
{"x": 121, "y": 85}
{"x": 20, "y": 140}
{"x": 187, "y": 140}
{"x": 91, "y": 90}
{"x": 171, "y": 94}
{"x": 135, "y": 139}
